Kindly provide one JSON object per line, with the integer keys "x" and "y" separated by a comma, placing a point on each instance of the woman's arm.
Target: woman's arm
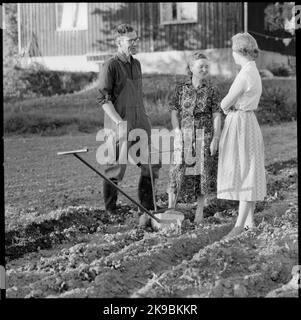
{"x": 175, "y": 107}
{"x": 237, "y": 88}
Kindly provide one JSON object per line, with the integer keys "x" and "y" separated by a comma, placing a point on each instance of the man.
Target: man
{"x": 121, "y": 99}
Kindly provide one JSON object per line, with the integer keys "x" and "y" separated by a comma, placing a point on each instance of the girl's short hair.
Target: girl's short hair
{"x": 246, "y": 45}
{"x": 197, "y": 55}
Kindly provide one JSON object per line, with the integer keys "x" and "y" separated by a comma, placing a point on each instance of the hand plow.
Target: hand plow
{"x": 159, "y": 218}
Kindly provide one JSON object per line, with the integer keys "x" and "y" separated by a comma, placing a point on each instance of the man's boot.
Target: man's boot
{"x": 110, "y": 196}
{"x": 145, "y": 196}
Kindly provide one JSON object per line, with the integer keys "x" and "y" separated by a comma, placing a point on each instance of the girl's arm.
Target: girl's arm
{"x": 237, "y": 88}
{"x": 175, "y": 107}
{"x": 174, "y": 119}
{"x": 217, "y": 120}
{"x": 216, "y": 134}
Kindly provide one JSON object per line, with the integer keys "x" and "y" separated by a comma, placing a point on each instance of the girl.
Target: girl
{"x": 195, "y": 106}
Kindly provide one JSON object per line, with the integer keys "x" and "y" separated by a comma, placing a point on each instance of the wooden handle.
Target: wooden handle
{"x": 72, "y": 152}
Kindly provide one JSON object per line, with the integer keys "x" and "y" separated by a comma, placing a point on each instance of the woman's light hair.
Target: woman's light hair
{"x": 197, "y": 55}
{"x": 246, "y": 45}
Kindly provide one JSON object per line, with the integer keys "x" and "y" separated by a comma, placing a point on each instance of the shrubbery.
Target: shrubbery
{"x": 47, "y": 83}
{"x": 37, "y": 81}
{"x": 275, "y": 107}
{"x": 79, "y": 112}
{"x": 281, "y": 70}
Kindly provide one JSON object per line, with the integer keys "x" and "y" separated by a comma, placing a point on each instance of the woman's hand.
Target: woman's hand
{"x": 178, "y": 145}
{"x": 227, "y": 111}
{"x": 214, "y": 146}
{"x": 178, "y": 139}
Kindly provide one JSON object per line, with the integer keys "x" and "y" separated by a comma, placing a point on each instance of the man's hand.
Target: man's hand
{"x": 122, "y": 129}
{"x": 214, "y": 146}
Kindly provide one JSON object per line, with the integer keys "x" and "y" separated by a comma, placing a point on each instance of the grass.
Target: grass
{"x": 79, "y": 112}
{"x": 37, "y": 179}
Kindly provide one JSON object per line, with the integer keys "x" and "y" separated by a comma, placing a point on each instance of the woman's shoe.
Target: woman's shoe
{"x": 234, "y": 232}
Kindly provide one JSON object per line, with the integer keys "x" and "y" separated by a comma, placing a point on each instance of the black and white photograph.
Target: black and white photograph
{"x": 150, "y": 151}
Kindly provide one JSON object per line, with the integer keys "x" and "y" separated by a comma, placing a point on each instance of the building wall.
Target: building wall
{"x": 217, "y": 22}
{"x": 38, "y": 27}
{"x": 163, "y": 48}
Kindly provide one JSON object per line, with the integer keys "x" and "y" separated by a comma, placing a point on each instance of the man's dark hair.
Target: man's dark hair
{"x": 122, "y": 29}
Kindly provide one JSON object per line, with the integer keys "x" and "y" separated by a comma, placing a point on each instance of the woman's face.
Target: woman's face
{"x": 200, "y": 68}
{"x": 236, "y": 56}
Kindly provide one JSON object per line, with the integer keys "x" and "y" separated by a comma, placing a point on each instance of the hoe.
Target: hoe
{"x": 159, "y": 218}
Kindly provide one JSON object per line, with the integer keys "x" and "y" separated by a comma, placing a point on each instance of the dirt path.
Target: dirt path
{"x": 80, "y": 252}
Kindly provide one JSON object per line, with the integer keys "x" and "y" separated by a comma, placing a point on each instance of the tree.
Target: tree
{"x": 13, "y": 85}
{"x": 279, "y": 17}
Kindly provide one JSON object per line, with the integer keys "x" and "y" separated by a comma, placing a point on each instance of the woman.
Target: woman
{"x": 241, "y": 172}
{"x": 195, "y": 106}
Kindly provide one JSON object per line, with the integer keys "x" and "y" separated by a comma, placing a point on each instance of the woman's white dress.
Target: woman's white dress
{"x": 241, "y": 172}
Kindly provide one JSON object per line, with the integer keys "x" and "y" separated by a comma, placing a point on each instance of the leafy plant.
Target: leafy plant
{"x": 280, "y": 70}
{"x": 274, "y": 107}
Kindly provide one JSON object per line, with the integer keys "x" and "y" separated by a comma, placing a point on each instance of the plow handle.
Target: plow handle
{"x": 118, "y": 188}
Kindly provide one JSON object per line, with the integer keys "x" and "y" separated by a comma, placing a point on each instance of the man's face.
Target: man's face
{"x": 128, "y": 43}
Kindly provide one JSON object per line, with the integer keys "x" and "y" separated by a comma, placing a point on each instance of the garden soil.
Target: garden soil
{"x": 79, "y": 251}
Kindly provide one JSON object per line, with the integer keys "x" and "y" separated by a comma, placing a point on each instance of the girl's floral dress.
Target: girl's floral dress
{"x": 195, "y": 108}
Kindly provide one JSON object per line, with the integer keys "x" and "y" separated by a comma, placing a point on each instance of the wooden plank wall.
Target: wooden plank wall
{"x": 217, "y": 22}
{"x": 40, "y": 18}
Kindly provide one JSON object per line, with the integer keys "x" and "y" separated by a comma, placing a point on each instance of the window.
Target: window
{"x": 178, "y": 12}
{"x": 72, "y": 16}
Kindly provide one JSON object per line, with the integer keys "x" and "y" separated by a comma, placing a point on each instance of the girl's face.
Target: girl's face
{"x": 200, "y": 68}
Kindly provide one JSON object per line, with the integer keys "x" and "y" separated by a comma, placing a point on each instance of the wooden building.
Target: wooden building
{"x": 84, "y": 30}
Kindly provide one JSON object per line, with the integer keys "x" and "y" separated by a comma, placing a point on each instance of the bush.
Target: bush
{"x": 45, "y": 82}
{"x": 274, "y": 107}
{"x": 14, "y": 87}
{"x": 38, "y": 81}
{"x": 280, "y": 70}
{"x": 41, "y": 81}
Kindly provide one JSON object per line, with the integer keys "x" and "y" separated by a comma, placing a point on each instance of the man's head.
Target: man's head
{"x": 126, "y": 39}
